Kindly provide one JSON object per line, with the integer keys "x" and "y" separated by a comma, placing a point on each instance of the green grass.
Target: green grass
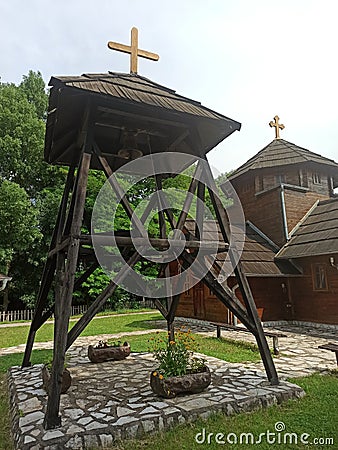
{"x": 12, "y": 336}
{"x": 231, "y": 351}
{"x": 15, "y": 359}
{"x": 316, "y": 414}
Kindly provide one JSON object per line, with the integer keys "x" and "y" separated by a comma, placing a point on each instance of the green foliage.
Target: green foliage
{"x": 18, "y": 223}
{"x": 18, "y": 217}
{"x": 33, "y": 87}
{"x": 30, "y": 188}
{"x": 95, "y": 284}
{"x": 22, "y": 132}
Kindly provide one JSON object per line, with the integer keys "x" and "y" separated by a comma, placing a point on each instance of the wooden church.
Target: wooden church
{"x": 290, "y": 253}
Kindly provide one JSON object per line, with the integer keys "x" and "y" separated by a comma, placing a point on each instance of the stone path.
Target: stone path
{"x": 113, "y": 400}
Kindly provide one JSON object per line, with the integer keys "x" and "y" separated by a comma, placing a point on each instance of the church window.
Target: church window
{"x": 319, "y": 277}
{"x": 316, "y": 178}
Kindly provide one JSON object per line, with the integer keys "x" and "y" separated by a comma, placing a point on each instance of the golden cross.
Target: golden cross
{"x": 133, "y": 50}
{"x": 277, "y": 126}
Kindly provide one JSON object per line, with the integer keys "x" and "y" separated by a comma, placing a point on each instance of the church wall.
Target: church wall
{"x": 319, "y": 183}
{"x": 311, "y": 305}
{"x": 298, "y": 204}
{"x": 269, "y": 294}
{"x": 265, "y": 212}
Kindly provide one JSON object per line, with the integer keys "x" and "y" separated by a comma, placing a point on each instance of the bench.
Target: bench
{"x": 273, "y": 334}
{"x": 332, "y": 347}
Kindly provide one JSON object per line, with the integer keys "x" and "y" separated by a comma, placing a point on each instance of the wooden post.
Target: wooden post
{"x": 63, "y": 296}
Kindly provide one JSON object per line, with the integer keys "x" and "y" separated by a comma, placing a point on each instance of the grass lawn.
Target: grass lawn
{"x": 12, "y": 336}
{"x": 231, "y": 351}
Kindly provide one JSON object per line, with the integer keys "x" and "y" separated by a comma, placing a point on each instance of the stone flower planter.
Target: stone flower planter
{"x": 66, "y": 380}
{"x": 191, "y": 383}
{"x": 108, "y": 353}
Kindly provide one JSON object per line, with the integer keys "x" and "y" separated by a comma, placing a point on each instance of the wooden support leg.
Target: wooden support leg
{"x": 48, "y": 273}
{"x": 242, "y": 280}
{"x": 171, "y": 331}
{"x": 218, "y": 331}
{"x": 64, "y": 292}
{"x": 275, "y": 345}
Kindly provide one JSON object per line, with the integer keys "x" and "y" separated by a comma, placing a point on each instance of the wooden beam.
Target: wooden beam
{"x": 224, "y": 295}
{"x": 200, "y": 211}
{"x": 59, "y": 247}
{"x": 84, "y": 277}
{"x": 160, "y": 243}
{"x": 119, "y": 192}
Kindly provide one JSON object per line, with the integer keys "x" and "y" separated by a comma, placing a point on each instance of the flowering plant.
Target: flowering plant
{"x": 176, "y": 357}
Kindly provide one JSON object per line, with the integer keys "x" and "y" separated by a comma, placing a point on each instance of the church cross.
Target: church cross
{"x": 277, "y": 126}
{"x": 133, "y": 50}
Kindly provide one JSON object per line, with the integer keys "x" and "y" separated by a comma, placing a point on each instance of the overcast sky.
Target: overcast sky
{"x": 247, "y": 59}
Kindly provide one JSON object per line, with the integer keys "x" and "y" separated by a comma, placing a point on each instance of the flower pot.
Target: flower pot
{"x": 190, "y": 383}
{"x": 66, "y": 380}
{"x": 109, "y": 353}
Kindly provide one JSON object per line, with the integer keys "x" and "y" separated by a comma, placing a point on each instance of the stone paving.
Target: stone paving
{"x": 111, "y": 401}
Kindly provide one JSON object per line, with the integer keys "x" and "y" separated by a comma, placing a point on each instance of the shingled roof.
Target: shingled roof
{"x": 121, "y": 102}
{"x": 316, "y": 235}
{"x": 258, "y": 257}
{"x": 283, "y": 153}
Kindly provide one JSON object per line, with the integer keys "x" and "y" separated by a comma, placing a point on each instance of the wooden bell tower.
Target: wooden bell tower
{"x": 91, "y": 121}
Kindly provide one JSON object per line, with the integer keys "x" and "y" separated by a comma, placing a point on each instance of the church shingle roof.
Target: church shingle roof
{"x": 283, "y": 153}
{"x": 316, "y": 235}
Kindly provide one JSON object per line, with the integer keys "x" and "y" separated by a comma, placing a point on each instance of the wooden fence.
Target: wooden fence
{"x": 27, "y": 314}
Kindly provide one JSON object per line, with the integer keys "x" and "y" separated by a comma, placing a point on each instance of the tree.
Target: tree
{"x": 23, "y": 110}
{"x": 18, "y": 225}
{"x": 33, "y": 87}
{"x": 22, "y": 131}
